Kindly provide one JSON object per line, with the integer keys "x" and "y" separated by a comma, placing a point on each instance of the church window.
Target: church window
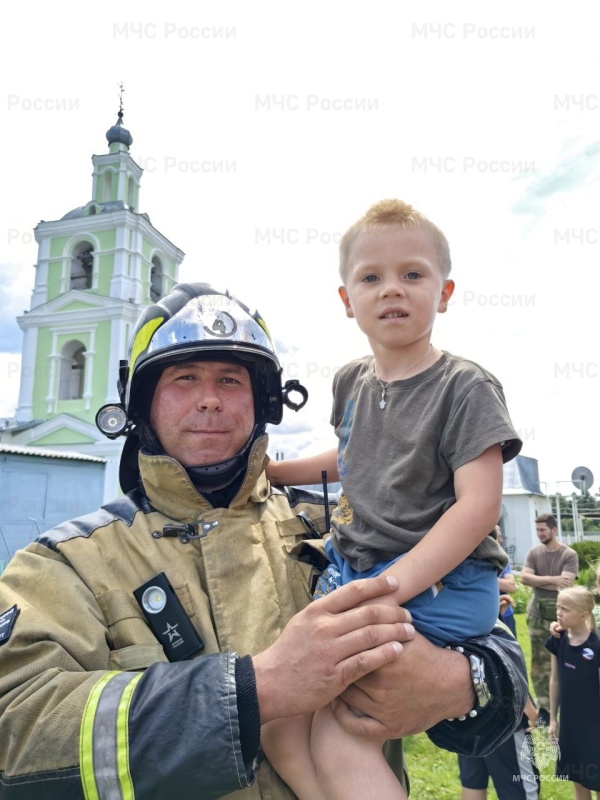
{"x": 82, "y": 266}
{"x": 156, "y": 280}
{"x": 72, "y": 371}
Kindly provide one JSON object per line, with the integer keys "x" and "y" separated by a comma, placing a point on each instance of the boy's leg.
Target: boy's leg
{"x": 286, "y": 743}
{"x": 512, "y": 770}
{"x": 510, "y": 623}
{"x": 466, "y": 605}
{"x": 348, "y": 766}
{"x": 474, "y": 778}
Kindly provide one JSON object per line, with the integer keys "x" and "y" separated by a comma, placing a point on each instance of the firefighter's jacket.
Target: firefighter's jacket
{"x": 90, "y": 706}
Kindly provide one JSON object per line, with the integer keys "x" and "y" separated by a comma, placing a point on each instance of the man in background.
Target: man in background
{"x": 549, "y": 567}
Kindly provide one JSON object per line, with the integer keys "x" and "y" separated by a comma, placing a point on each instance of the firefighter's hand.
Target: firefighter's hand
{"x": 327, "y": 646}
{"x": 427, "y": 684}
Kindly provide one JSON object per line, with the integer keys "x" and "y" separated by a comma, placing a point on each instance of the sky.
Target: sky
{"x": 266, "y": 129}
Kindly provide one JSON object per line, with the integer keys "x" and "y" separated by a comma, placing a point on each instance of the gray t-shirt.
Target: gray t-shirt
{"x": 551, "y": 562}
{"x": 397, "y": 464}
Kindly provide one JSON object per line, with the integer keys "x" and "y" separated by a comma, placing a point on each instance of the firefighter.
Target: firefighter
{"x": 142, "y": 646}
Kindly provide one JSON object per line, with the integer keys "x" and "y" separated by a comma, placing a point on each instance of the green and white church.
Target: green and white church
{"x": 97, "y": 268}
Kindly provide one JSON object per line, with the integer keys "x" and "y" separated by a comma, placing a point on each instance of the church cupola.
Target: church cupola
{"x": 116, "y": 176}
{"x": 118, "y": 135}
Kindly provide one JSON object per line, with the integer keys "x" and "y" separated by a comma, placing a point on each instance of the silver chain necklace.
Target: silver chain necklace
{"x": 384, "y": 386}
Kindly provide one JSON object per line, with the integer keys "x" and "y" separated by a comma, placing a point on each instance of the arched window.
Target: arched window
{"x": 82, "y": 266}
{"x": 156, "y": 280}
{"x": 72, "y": 371}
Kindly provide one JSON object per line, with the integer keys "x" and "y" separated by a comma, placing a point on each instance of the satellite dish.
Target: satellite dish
{"x": 582, "y": 478}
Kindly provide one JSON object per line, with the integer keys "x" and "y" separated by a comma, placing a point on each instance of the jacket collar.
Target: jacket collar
{"x": 170, "y": 490}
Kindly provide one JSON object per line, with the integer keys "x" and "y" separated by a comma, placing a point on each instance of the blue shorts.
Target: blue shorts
{"x": 465, "y": 606}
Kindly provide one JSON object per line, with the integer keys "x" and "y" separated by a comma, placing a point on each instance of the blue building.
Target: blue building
{"x": 39, "y": 488}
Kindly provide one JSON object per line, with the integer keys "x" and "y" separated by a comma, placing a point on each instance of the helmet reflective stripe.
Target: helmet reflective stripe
{"x": 104, "y": 743}
{"x": 142, "y": 339}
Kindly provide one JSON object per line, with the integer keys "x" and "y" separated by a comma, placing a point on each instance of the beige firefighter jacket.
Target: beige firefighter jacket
{"x": 239, "y": 583}
{"x": 91, "y": 708}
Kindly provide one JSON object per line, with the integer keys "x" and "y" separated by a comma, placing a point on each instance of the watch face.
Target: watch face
{"x": 479, "y": 682}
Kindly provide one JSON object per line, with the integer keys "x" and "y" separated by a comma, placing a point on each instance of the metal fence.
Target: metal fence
{"x": 569, "y": 537}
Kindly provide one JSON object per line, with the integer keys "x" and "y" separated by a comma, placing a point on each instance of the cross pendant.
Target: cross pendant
{"x": 382, "y": 403}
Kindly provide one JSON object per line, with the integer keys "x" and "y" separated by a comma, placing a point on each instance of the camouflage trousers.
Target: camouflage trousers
{"x": 540, "y": 613}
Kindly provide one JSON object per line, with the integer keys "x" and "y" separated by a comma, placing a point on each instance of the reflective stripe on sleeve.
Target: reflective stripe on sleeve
{"x": 104, "y": 738}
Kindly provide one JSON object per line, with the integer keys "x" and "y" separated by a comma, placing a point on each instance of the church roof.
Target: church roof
{"x": 101, "y": 208}
{"x": 20, "y": 426}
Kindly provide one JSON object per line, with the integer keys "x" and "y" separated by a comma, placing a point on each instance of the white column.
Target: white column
{"x": 40, "y": 289}
{"x": 24, "y": 411}
{"x": 95, "y": 269}
{"x": 118, "y": 350}
{"x": 65, "y": 278}
{"x": 51, "y": 397}
{"x": 89, "y": 369}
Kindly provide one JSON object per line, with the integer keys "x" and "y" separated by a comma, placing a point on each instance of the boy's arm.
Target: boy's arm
{"x": 303, "y": 471}
{"x": 507, "y": 583}
{"x": 478, "y": 488}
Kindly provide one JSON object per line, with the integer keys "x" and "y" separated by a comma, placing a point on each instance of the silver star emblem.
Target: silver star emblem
{"x": 172, "y": 631}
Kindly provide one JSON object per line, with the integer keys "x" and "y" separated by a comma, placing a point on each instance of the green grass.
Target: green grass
{"x": 434, "y": 772}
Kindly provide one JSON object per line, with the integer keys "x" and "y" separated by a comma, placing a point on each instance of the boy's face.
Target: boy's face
{"x": 395, "y": 287}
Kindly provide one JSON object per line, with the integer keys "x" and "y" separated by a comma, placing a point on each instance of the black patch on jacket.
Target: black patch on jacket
{"x": 124, "y": 509}
{"x": 7, "y": 623}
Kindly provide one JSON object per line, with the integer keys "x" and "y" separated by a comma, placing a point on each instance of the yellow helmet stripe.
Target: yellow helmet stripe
{"x": 142, "y": 340}
{"x": 263, "y": 325}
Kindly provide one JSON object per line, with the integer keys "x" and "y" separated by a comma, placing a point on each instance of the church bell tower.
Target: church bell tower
{"x": 98, "y": 267}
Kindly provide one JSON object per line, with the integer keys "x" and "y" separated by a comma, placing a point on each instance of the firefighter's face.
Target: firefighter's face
{"x": 203, "y": 411}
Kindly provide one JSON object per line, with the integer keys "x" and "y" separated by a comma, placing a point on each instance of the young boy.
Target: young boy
{"x": 422, "y": 438}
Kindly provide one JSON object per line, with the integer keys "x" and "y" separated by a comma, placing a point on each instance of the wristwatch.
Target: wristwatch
{"x": 482, "y": 691}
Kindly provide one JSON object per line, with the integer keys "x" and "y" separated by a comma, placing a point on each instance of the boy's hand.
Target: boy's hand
{"x": 505, "y": 601}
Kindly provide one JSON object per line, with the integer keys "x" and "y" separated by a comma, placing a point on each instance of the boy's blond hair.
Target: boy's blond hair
{"x": 582, "y": 600}
{"x": 394, "y": 214}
